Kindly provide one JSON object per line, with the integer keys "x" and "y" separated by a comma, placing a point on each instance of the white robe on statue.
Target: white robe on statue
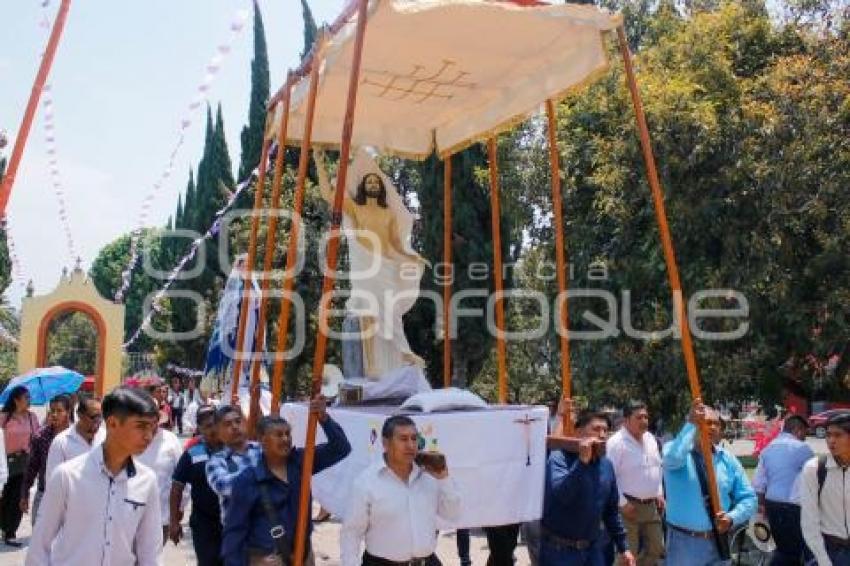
{"x": 392, "y": 284}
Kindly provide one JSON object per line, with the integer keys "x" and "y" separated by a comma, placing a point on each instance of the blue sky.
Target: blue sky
{"x": 122, "y": 80}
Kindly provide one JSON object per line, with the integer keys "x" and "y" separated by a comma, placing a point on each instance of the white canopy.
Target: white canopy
{"x": 450, "y": 72}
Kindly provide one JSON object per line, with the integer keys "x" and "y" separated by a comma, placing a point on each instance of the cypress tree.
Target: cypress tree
{"x": 310, "y": 29}
{"x": 178, "y": 214}
{"x": 189, "y": 206}
{"x": 203, "y": 181}
{"x": 252, "y": 134}
{"x": 472, "y": 243}
{"x": 222, "y": 169}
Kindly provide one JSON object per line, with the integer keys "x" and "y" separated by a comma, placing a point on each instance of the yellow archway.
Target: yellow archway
{"x": 75, "y": 293}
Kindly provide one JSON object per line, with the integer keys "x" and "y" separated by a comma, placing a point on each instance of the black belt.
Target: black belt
{"x": 563, "y": 543}
{"x": 781, "y": 504}
{"x": 834, "y": 541}
{"x": 639, "y": 500}
{"x": 704, "y": 535}
{"x": 372, "y": 560}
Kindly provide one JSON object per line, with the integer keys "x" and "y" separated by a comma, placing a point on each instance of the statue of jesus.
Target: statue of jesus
{"x": 384, "y": 268}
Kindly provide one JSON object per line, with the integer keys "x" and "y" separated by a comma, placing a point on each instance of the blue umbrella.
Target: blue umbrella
{"x": 44, "y": 384}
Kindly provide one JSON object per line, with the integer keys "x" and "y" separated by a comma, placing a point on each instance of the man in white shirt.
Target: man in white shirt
{"x": 78, "y": 438}
{"x": 102, "y": 507}
{"x": 634, "y": 453}
{"x": 395, "y": 504}
{"x": 825, "y": 500}
{"x": 162, "y": 456}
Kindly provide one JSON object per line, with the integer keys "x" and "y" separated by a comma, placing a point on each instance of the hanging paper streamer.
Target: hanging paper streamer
{"x": 53, "y": 169}
{"x": 17, "y": 272}
{"x": 156, "y": 304}
{"x": 210, "y": 72}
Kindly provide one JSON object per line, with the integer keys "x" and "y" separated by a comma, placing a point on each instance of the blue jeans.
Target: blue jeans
{"x": 685, "y": 550}
{"x": 557, "y": 556}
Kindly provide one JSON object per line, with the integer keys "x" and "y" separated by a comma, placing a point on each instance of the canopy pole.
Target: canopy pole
{"x": 669, "y": 258}
{"x": 247, "y": 271}
{"x": 328, "y": 284}
{"x": 447, "y": 262}
{"x": 567, "y": 428}
{"x": 496, "y": 229}
{"x": 32, "y": 104}
{"x": 260, "y": 332}
{"x": 294, "y": 236}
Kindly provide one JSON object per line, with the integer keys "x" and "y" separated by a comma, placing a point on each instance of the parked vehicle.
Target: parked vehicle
{"x": 817, "y": 423}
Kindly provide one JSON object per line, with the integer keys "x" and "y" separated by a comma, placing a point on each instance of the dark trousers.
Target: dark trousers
{"x": 784, "y": 519}
{"x": 10, "y": 507}
{"x": 502, "y": 541}
{"x": 839, "y": 555}
{"x": 177, "y": 420}
{"x": 462, "y": 537}
{"x": 206, "y": 538}
{"x": 551, "y": 556}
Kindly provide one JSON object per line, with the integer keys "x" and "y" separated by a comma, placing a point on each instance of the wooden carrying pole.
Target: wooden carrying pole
{"x": 295, "y": 231}
{"x": 328, "y": 284}
{"x": 32, "y": 104}
{"x": 567, "y": 428}
{"x": 260, "y": 331}
{"x": 247, "y": 272}
{"x": 495, "y": 224}
{"x": 447, "y": 264}
{"x": 670, "y": 260}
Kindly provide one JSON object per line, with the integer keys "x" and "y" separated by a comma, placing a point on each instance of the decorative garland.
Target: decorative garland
{"x": 156, "y": 305}
{"x": 53, "y": 169}
{"x": 212, "y": 69}
{"x": 17, "y": 272}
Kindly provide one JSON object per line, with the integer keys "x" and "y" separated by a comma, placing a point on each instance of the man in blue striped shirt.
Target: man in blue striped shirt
{"x": 690, "y": 538}
{"x": 238, "y": 453}
{"x": 775, "y": 483}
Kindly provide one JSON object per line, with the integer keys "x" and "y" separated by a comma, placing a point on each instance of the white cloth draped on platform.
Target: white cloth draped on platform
{"x": 497, "y": 457}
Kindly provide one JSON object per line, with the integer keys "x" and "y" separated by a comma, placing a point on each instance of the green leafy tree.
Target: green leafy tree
{"x": 72, "y": 343}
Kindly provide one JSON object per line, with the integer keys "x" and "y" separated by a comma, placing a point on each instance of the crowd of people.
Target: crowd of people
{"x": 111, "y": 484}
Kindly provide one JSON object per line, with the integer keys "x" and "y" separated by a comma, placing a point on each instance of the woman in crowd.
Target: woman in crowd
{"x": 19, "y": 427}
{"x": 58, "y": 419}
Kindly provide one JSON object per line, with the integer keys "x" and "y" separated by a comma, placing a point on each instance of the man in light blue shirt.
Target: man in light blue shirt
{"x": 690, "y": 538}
{"x": 775, "y": 483}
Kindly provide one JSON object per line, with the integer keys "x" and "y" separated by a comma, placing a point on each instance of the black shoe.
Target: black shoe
{"x": 13, "y": 543}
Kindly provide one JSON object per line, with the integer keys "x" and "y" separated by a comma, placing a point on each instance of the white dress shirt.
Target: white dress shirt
{"x": 67, "y": 445}
{"x": 398, "y": 520}
{"x": 88, "y": 517}
{"x": 637, "y": 465}
{"x": 829, "y": 515}
{"x": 162, "y": 456}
